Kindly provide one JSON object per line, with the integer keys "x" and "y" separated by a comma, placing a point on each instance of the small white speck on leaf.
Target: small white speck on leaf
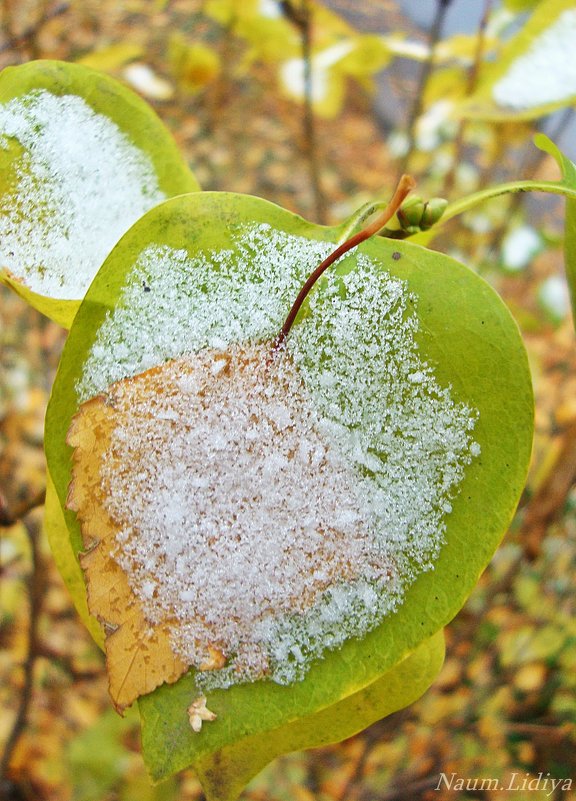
{"x": 198, "y": 712}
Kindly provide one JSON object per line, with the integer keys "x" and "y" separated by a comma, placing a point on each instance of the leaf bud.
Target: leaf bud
{"x": 433, "y": 211}
{"x": 410, "y": 213}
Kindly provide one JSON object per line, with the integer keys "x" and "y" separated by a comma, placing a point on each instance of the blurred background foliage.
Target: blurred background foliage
{"x": 319, "y": 107}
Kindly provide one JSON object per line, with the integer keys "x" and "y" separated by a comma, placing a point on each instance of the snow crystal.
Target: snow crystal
{"x": 235, "y": 294}
{"x": 546, "y": 72}
{"x": 280, "y": 505}
{"x": 79, "y": 183}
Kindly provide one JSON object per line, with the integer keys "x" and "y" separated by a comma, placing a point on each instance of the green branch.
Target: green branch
{"x": 510, "y": 187}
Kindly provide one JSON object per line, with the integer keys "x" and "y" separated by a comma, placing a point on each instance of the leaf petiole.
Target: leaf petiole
{"x": 405, "y": 185}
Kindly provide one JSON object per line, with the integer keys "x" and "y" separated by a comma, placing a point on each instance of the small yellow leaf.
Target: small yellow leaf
{"x": 111, "y": 58}
{"x": 193, "y": 65}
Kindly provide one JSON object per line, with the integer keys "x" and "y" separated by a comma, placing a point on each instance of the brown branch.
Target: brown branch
{"x": 347, "y": 790}
{"x": 550, "y": 498}
{"x": 471, "y": 85}
{"x": 425, "y": 73}
{"x": 529, "y": 166}
{"x": 410, "y": 791}
{"x": 11, "y": 517}
{"x": 35, "y": 590}
{"x": 301, "y": 17}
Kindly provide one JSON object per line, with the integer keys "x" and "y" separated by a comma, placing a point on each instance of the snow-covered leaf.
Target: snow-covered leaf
{"x": 405, "y": 387}
{"x": 81, "y": 158}
{"x": 535, "y": 72}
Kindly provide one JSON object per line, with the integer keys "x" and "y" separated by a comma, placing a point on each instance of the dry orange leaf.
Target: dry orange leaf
{"x": 138, "y": 656}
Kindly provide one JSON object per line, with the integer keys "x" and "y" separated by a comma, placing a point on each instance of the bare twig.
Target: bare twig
{"x": 426, "y": 71}
{"x": 34, "y": 585}
{"x": 410, "y": 791}
{"x": 29, "y": 34}
{"x": 347, "y": 790}
{"x": 301, "y": 17}
{"x": 9, "y": 518}
{"x": 471, "y": 84}
{"x": 551, "y": 731}
{"x": 546, "y": 504}
{"x": 529, "y": 166}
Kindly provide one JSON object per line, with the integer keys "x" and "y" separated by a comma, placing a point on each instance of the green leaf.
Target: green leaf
{"x": 532, "y": 75}
{"x": 81, "y": 158}
{"x": 568, "y": 169}
{"x": 521, "y": 5}
{"x": 226, "y": 772}
{"x": 466, "y": 336}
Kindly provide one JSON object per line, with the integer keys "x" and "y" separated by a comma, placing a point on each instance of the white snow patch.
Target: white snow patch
{"x": 520, "y": 246}
{"x": 78, "y": 185}
{"x": 554, "y": 297}
{"x": 546, "y": 73}
{"x": 143, "y": 78}
{"x": 292, "y": 71}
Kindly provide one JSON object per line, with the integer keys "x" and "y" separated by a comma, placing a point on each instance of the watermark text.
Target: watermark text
{"x": 517, "y": 782}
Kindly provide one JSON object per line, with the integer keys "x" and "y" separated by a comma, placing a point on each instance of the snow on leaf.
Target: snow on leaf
{"x": 534, "y": 72}
{"x": 212, "y": 508}
{"x": 81, "y": 159}
{"x": 397, "y": 348}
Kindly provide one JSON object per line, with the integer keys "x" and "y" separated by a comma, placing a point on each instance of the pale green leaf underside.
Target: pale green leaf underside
{"x": 66, "y": 558}
{"x": 468, "y": 336}
{"x": 568, "y": 169}
{"x": 533, "y": 74}
{"x": 225, "y": 772}
{"x": 26, "y": 266}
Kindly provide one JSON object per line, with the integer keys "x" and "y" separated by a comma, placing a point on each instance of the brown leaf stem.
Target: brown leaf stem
{"x": 405, "y": 186}
{"x": 301, "y": 17}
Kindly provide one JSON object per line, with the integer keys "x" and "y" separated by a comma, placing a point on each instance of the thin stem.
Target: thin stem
{"x": 468, "y": 202}
{"x": 425, "y": 72}
{"x": 302, "y": 18}
{"x": 471, "y": 84}
{"x": 530, "y": 165}
{"x": 405, "y": 186}
{"x": 9, "y": 518}
{"x": 35, "y": 591}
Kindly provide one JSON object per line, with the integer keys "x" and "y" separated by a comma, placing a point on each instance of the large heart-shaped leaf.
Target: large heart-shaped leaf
{"x": 416, "y": 369}
{"x": 81, "y": 158}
